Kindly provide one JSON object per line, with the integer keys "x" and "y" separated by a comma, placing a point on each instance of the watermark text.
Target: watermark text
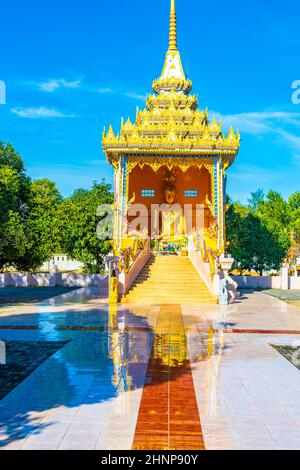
{"x": 2, "y": 92}
{"x": 296, "y": 93}
{"x": 2, "y": 353}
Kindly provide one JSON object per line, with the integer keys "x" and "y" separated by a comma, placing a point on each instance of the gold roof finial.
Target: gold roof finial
{"x": 173, "y": 28}
{"x": 172, "y": 76}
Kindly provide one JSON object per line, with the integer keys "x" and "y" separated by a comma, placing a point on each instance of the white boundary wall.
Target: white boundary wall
{"x": 53, "y": 279}
{"x": 99, "y": 280}
{"x": 294, "y": 282}
{"x": 266, "y": 282}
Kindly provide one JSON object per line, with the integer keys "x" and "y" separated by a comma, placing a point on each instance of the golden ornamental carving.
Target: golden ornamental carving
{"x": 170, "y": 162}
{"x": 210, "y": 205}
{"x": 169, "y": 124}
{"x": 172, "y": 84}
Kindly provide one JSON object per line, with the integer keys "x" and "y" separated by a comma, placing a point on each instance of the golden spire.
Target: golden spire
{"x": 172, "y": 76}
{"x": 173, "y": 28}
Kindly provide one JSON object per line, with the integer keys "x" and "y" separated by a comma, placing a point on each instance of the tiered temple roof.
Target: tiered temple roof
{"x": 171, "y": 123}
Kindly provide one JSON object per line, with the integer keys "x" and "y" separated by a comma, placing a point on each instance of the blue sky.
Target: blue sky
{"x": 73, "y": 67}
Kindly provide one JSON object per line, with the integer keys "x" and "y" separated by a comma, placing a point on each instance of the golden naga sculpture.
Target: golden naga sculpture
{"x": 130, "y": 249}
{"x": 171, "y": 120}
{"x": 205, "y": 241}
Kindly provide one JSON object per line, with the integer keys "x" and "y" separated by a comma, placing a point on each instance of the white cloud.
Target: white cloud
{"x": 293, "y": 139}
{"x": 135, "y": 96}
{"x": 130, "y": 94}
{"x": 39, "y": 113}
{"x": 248, "y": 173}
{"x": 52, "y": 85}
{"x": 104, "y": 90}
{"x": 275, "y": 123}
{"x": 258, "y": 123}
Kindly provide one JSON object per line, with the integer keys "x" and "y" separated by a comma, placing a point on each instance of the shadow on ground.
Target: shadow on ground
{"x": 24, "y": 295}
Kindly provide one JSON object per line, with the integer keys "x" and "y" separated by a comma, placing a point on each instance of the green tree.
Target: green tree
{"x": 251, "y": 242}
{"x": 275, "y": 215}
{"x": 14, "y": 242}
{"x": 294, "y": 212}
{"x": 78, "y": 224}
{"x": 28, "y": 215}
{"x": 14, "y": 184}
{"x": 14, "y": 195}
{"x": 256, "y": 199}
{"x": 41, "y": 225}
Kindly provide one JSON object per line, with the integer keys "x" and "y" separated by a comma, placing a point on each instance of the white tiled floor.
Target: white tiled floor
{"x": 247, "y": 393}
{"x": 70, "y": 401}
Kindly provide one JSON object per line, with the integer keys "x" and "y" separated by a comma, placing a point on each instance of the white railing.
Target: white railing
{"x": 211, "y": 281}
{"x": 126, "y": 279}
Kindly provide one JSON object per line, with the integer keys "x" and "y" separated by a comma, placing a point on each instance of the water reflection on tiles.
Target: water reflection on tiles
{"x": 84, "y": 380}
{"x": 168, "y": 416}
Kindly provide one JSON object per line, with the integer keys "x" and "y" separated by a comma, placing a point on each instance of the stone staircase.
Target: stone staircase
{"x": 169, "y": 280}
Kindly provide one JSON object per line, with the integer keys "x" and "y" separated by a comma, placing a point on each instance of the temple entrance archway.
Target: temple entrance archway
{"x": 179, "y": 197}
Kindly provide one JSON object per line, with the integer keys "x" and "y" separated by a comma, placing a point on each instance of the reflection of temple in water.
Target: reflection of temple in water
{"x": 170, "y": 349}
{"x": 129, "y": 342}
{"x": 133, "y": 345}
